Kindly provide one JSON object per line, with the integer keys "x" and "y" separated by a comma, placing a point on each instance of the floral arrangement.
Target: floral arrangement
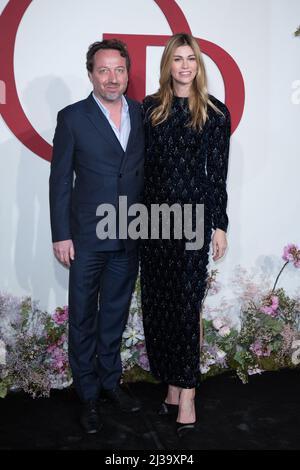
{"x": 33, "y": 347}
{"x": 33, "y": 343}
{"x": 269, "y": 334}
{"x": 133, "y": 350}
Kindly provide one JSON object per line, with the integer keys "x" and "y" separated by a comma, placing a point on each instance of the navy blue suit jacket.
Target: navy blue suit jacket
{"x": 88, "y": 168}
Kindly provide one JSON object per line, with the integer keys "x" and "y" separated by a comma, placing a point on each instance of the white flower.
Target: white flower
{"x": 296, "y": 354}
{"x": 210, "y": 361}
{"x": 134, "y": 330}
{"x": 125, "y": 355}
{"x": 134, "y": 303}
{"x": 224, "y": 331}
{"x": 254, "y": 370}
{"x": 218, "y": 323}
{"x": 204, "y": 369}
{"x": 2, "y": 353}
{"x": 133, "y": 336}
{"x": 60, "y": 381}
{"x": 135, "y": 321}
{"x": 221, "y": 354}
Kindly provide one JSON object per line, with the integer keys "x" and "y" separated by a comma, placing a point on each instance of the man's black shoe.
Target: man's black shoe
{"x": 89, "y": 418}
{"x": 121, "y": 400}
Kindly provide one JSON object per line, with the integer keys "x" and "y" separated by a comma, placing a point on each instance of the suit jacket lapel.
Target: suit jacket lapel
{"x": 102, "y": 125}
{"x": 133, "y": 124}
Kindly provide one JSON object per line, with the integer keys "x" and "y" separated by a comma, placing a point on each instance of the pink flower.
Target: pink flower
{"x": 224, "y": 331}
{"x": 218, "y": 323}
{"x": 144, "y": 362}
{"x": 271, "y": 306}
{"x": 214, "y": 288}
{"x": 51, "y": 348}
{"x": 292, "y": 253}
{"x": 62, "y": 340}
{"x": 58, "y": 357}
{"x": 61, "y": 315}
{"x": 259, "y": 349}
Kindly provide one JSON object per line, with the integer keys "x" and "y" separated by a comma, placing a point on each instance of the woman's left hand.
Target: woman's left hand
{"x": 219, "y": 244}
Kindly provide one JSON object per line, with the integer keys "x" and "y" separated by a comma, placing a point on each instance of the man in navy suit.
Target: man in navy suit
{"x": 98, "y": 153}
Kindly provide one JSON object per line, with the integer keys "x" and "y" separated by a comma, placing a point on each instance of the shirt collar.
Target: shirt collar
{"x": 105, "y": 110}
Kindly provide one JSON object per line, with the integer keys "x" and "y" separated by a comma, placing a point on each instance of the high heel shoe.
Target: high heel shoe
{"x": 183, "y": 428}
{"x": 166, "y": 409}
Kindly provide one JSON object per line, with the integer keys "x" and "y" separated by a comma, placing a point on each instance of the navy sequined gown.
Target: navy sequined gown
{"x": 182, "y": 166}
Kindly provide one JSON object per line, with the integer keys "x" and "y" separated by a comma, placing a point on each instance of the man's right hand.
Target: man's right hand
{"x": 64, "y": 251}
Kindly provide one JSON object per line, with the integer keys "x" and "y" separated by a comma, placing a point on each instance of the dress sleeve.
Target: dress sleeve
{"x": 146, "y": 111}
{"x": 217, "y": 166}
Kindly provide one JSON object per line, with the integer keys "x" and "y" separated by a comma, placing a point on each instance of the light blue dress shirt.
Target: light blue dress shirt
{"x": 122, "y": 134}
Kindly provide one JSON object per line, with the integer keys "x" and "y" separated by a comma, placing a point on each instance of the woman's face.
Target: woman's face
{"x": 184, "y": 66}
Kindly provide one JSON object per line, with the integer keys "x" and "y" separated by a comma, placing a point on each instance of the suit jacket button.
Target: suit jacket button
{"x": 120, "y": 175}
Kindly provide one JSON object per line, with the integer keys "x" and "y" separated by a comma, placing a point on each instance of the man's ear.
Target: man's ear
{"x": 90, "y": 77}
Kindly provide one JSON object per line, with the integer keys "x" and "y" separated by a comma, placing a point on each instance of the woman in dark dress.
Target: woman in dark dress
{"x": 187, "y": 146}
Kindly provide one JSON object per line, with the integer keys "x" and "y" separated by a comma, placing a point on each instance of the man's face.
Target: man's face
{"x": 109, "y": 76}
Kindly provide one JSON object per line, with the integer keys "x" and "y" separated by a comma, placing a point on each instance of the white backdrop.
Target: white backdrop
{"x": 263, "y": 180}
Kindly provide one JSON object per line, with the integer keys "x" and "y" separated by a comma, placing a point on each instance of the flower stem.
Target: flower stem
{"x": 287, "y": 262}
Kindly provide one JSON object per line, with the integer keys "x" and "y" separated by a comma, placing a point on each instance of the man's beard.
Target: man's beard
{"x": 114, "y": 95}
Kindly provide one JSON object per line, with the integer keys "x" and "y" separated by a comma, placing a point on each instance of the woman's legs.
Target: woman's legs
{"x": 186, "y": 411}
{"x": 173, "y": 395}
{"x": 185, "y": 398}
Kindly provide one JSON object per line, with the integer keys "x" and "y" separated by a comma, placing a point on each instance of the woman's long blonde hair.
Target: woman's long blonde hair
{"x": 198, "y": 99}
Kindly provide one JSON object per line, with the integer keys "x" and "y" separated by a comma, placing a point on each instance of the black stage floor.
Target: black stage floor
{"x": 264, "y": 414}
